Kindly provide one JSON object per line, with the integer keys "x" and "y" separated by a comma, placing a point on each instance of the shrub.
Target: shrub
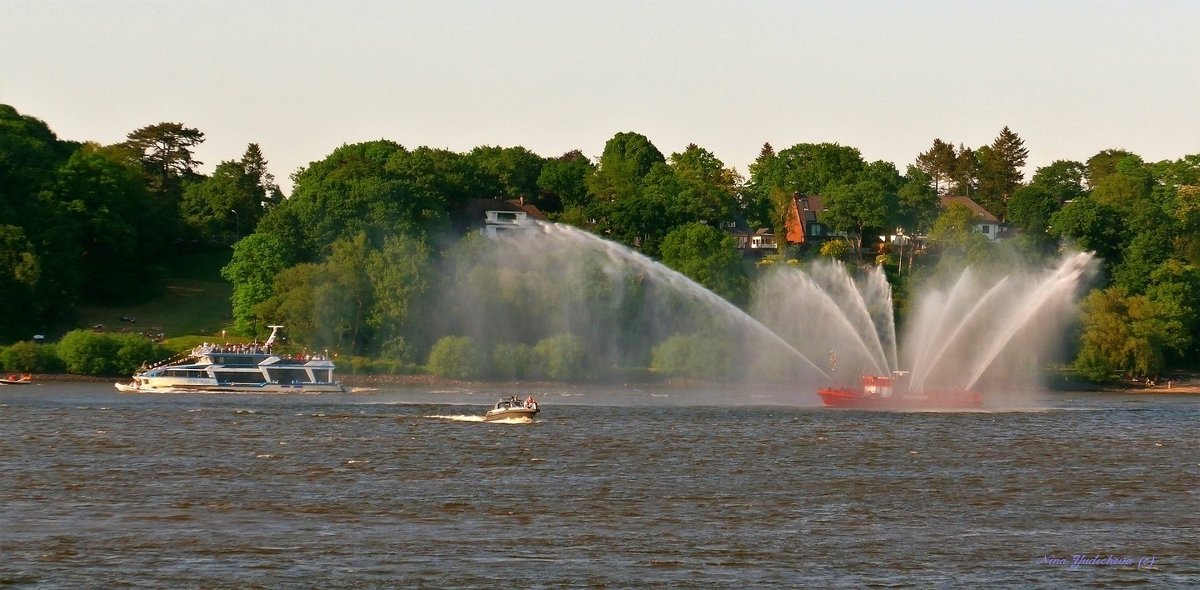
{"x": 361, "y": 365}
{"x": 693, "y": 355}
{"x": 88, "y": 353}
{"x": 562, "y": 358}
{"x": 29, "y": 357}
{"x": 835, "y": 249}
{"x": 512, "y": 360}
{"x": 399, "y": 350}
{"x": 133, "y": 351}
{"x": 455, "y": 357}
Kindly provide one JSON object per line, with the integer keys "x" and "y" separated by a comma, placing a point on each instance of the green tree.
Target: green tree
{"x": 1106, "y": 332}
{"x": 1126, "y": 187}
{"x": 293, "y": 303}
{"x": 953, "y": 233}
{"x": 709, "y": 257}
{"x": 709, "y": 188}
{"x": 999, "y": 171}
{"x": 765, "y": 180}
{"x": 256, "y": 260}
{"x": 513, "y": 360}
{"x": 965, "y": 175}
{"x": 852, "y": 208}
{"x": 1031, "y": 208}
{"x": 809, "y": 168}
{"x": 562, "y": 357}
{"x": 917, "y": 207}
{"x": 782, "y": 203}
{"x": 440, "y": 180}
{"x": 1129, "y": 334}
{"x": 699, "y": 355}
{"x": 1174, "y": 292}
{"x": 835, "y": 249}
{"x": 165, "y": 153}
{"x": 1063, "y": 179}
{"x": 268, "y": 192}
{"x": 40, "y": 273}
{"x": 1186, "y": 209}
{"x": 1103, "y": 164}
{"x": 1148, "y": 246}
{"x": 563, "y": 182}
{"x": 30, "y": 154}
{"x": 1091, "y": 226}
{"x": 400, "y": 275}
{"x": 938, "y": 163}
{"x": 626, "y": 160}
{"x": 27, "y": 356}
{"x": 20, "y": 274}
{"x": 513, "y": 170}
{"x": 641, "y": 218}
{"x": 344, "y": 297}
{"x": 86, "y": 353}
{"x": 456, "y": 357}
{"x": 220, "y": 203}
{"x": 113, "y": 222}
{"x": 374, "y": 187}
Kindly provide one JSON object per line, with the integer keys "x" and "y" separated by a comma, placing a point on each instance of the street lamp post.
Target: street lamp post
{"x": 237, "y": 223}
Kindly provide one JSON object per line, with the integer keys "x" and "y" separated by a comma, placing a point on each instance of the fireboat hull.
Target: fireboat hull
{"x": 843, "y": 397}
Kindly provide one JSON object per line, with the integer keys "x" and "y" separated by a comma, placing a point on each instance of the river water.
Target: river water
{"x": 606, "y": 489}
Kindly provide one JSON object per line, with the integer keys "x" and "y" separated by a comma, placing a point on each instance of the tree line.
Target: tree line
{"x": 350, "y": 258}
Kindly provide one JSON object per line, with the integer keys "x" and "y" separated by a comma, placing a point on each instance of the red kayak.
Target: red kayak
{"x": 880, "y": 393}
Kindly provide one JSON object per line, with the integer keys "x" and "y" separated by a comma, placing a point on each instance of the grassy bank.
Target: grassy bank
{"x": 195, "y": 300}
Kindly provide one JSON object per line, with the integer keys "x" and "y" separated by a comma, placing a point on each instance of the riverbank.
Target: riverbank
{"x": 1187, "y": 385}
{"x": 1171, "y": 386}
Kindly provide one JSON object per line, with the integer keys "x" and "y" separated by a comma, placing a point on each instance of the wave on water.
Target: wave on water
{"x": 472, "y": 418}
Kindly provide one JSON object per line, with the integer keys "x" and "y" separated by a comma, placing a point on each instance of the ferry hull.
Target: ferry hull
{"x": 266, "y": 388}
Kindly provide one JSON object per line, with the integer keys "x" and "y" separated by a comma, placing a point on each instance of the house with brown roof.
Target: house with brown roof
{"x": 754, "y": 243}
{"x": 804, "y": 227}
{"x": 983, "y": 222}
{"x": 494, "y": 216}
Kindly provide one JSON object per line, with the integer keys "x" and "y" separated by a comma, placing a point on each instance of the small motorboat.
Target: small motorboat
{"x": 13, "y": 379}
{"x": 882, "y": 393}
{"x": 512, "y": 407}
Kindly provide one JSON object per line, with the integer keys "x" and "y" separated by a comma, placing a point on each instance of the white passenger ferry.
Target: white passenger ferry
{"x": 237, "y": 368}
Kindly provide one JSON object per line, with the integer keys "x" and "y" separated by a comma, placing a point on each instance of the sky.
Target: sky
{"x": 300, "y": 78}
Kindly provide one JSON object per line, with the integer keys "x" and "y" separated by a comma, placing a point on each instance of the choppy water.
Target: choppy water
{"x": 604, "y": 490}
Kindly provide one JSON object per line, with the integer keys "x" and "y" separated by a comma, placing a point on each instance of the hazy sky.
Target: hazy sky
{"x": 302, "y": 78}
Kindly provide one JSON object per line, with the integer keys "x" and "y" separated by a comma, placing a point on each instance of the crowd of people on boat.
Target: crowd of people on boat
{"x": 515, "y": 402}
{"x": 253, "y": 348}
{"x": 227, "y": 348}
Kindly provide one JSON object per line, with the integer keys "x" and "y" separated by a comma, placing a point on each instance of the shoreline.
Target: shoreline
{"x": 1188, "y": 386}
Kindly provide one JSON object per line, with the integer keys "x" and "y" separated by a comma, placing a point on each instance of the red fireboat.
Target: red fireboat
{"x": 881, "y": 393}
